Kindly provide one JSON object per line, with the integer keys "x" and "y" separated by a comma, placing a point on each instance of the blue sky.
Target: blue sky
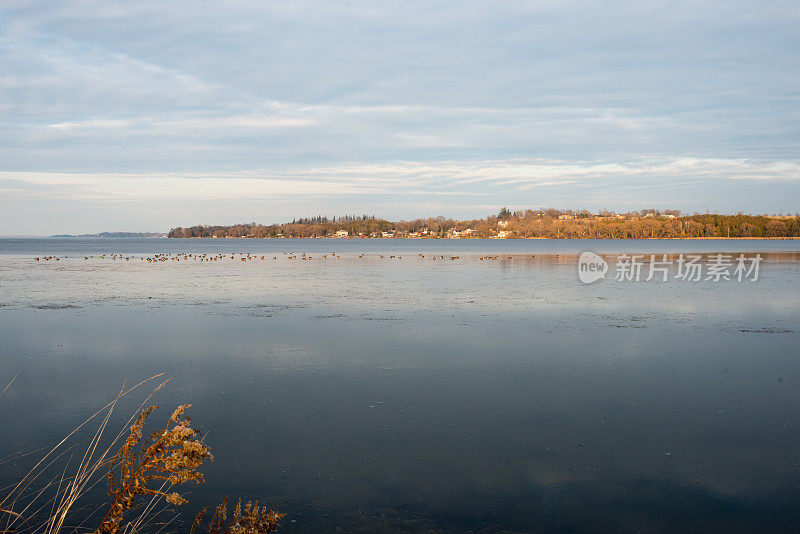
{"x": 147, "y": 115}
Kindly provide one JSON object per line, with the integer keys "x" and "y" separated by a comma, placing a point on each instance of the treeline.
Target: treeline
{"x": 297, "y": 228}
{"x": 527, "y": 224}
{"x": 695, "y": 226}
{"x": 324, "y": 219}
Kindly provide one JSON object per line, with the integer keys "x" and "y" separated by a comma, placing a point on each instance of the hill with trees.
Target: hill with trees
{"x": 525, "y": 224}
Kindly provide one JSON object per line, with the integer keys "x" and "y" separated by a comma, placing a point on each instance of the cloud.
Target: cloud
{"x": 455, "y": 178}
{"x": 385, "y": 102}
{"x": 182, "y": 127}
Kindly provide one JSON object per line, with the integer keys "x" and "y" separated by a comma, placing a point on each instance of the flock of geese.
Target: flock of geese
{"x": 242, "y": 256}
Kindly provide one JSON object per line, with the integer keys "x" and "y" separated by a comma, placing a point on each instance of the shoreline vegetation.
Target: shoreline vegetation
{"x": 527, "y": 224}
{"x": 140, "y": 479}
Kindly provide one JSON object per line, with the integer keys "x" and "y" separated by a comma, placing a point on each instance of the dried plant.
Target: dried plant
{"x": 141, "y": 467}
{"x": 250, "y": 520}
{"x": 173, "y": 457}
{"x": 15, "y": 377}
{"x": 23, "y": 502}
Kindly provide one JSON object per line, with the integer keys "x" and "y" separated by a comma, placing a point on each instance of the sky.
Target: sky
{"x": 146, "y": 115}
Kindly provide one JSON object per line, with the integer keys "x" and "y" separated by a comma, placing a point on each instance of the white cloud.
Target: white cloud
{"x": 550, "y": 101}
{"x": 183, "y": 126}
{"x": 405, "y": 178}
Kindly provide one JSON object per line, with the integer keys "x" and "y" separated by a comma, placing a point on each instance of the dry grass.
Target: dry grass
{"x": 142, "y": 469}
{"x": 250, "y": 520}
{"x": 172, "y": 457}
{"x": 15, "y": 377}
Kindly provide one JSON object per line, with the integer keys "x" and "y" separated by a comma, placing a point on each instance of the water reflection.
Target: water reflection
{"x": 371, "y": 395}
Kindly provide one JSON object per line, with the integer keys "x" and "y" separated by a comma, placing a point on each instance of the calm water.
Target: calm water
{"x": 408, "y": 394}
{"x": 66, "y": 246}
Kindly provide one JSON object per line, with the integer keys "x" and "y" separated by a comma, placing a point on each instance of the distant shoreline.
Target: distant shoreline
{"x": 164, "y": 236}
{"x": 528, "y": 224}
{"x": 95, "y": 236}
{"x": 112, "y": 235}
{"x": 515, "y": 238}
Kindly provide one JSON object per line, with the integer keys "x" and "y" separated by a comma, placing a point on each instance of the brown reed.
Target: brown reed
{"x": 173, "y": 457}
{"x": 140, "y": 468}
{"x": 250, "y": 520}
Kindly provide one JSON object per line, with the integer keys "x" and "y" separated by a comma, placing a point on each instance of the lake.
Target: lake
{"x": 362, "y": 392}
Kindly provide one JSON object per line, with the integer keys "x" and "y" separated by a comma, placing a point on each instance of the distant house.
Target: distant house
{"x": 455, "y": 234}
{"x": 566, "y": 216}
{"x": 668, "y": 216}
{"x": 387, "y": 234}
{"x": 342, "y": 233}
{"x": 502, "y": 224}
